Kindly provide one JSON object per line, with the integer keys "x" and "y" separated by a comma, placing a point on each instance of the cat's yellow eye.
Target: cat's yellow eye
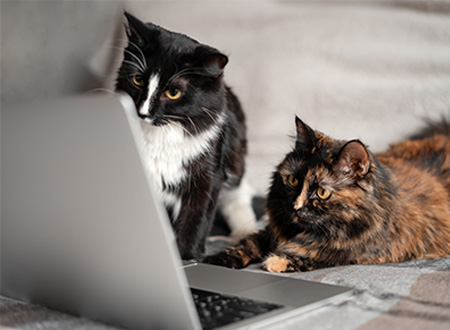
{"x": 173, "y": 94}
{"x": 137, "y": 80}
{"x": 292, "y": 181}
{"x": 323, "y": 193}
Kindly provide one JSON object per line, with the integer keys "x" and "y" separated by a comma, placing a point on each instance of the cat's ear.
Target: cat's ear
{"x": 139, "y": 33}
{"x": 353, "y": 161}
{"x": 210, "y": 59}
{"x": 305, "y": 136}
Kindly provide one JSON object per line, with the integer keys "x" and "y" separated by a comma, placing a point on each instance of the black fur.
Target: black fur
{"x": 197, "y": 71}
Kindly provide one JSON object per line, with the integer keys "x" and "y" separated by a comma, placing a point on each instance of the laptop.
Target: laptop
{"x": 83, "y": 232}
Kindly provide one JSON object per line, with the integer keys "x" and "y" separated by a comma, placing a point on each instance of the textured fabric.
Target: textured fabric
{"x": 412, "y": 295}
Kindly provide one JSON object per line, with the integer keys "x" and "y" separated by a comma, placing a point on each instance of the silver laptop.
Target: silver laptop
{"x": 82, "y": 232}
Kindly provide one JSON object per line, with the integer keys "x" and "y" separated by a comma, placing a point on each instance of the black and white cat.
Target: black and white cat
{"x": 194, "y": 129}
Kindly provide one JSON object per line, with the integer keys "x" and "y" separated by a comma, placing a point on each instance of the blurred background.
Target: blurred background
{"x": 373, "y": 70}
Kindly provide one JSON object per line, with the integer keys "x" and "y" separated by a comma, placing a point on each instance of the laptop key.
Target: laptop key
{"x": 216, "y": 310}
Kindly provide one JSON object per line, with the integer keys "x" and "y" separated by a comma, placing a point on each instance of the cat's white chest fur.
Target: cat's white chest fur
{"x": 168, "y": 149}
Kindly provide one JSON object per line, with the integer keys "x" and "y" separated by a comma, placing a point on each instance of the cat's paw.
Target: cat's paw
{"x": 277, "y": 264}
{"x": 225, "y": 258}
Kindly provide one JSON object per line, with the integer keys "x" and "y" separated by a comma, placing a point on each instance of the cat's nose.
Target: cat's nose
{"x": 146, "y": 109}
{"x": 300, "y": 202}
{"x": 303, "y": 210}
{"x": 299, "y": 207}
{"x": 147, "y": 119}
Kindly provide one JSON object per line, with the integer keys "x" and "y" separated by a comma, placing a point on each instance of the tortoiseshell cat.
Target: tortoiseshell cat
{"x": 335, "y": 203}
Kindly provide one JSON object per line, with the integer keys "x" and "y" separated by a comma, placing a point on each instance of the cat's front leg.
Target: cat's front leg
{"x": 291, "y": 257}
{"x": 280, "y": 263}
{"x": 251, "y": 249}
{"x": 189, "y": 240}
{"x": 236, "y": 257}
{"x": 194, "y": 222}
{"x": 191, "y": 231}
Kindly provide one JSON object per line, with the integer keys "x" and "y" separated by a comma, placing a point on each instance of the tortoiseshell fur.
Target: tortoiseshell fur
{"x": 384, "y": 208}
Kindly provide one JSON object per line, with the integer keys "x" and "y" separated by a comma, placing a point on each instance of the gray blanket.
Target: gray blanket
{"x": 412, "y": 295}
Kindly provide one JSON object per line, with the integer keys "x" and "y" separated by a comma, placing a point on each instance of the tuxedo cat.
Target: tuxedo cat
{"x": 194, "y": 130}
{"x": 334, "y": 202}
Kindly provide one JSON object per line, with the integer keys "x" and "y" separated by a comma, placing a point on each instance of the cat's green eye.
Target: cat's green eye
{"x": 292, "y": 181}
{"x": 323, "y": 193}
{"x": 137, "y": 80}
{"x": 173, "y": 94}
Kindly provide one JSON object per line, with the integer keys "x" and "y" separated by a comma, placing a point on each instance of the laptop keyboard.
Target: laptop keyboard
{"x": 217, "y": 310}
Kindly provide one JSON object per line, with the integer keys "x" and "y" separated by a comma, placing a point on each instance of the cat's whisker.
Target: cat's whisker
{"x": 133, "y": 64}
{"x": 104, "y": 90}
{"x": 142, "y": 66}
{"x": 183, "y": 128}
{"x": 112, "y": 75}
{"x": 197, "y": 73}
{"x": 174, "y": 117}
{"x": 188, "y": 71}
{"x": 114, "y": 41}
{"x": 209, "y": 113}
{"x": 140, "y": 51}
{"x": 192, "y": 123}
{"x": 184, "y": 71}
{"x": 209, "y": 196}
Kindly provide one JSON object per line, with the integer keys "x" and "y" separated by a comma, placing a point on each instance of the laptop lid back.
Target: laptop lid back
{"x": 79, "y": 223}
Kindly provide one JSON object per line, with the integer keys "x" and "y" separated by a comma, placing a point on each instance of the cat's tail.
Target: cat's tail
{"x": 433, "y": 145}
{"x": 433, "y": 128}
